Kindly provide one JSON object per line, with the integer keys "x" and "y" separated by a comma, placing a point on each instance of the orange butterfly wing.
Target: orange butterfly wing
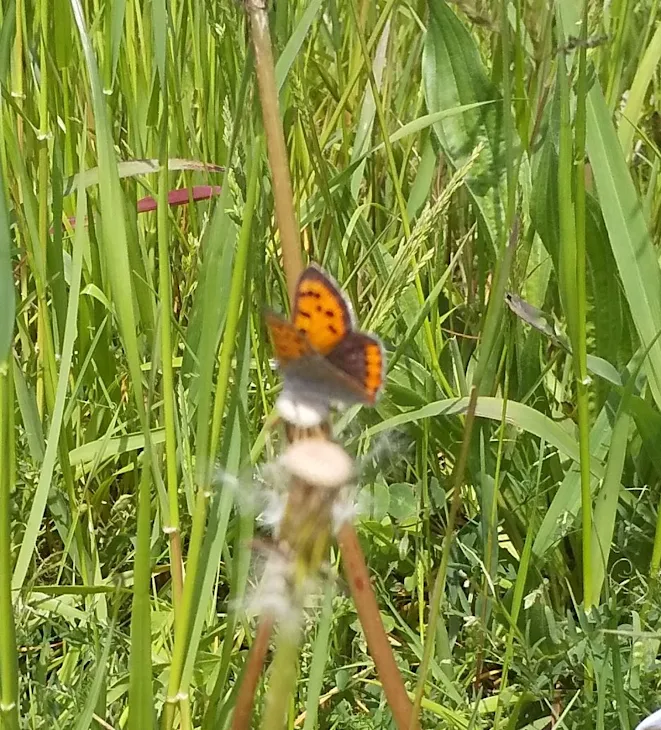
{"x": 321, "y": 311}
{"x": 360, "y": 356}
{"x": 288, "y": 343}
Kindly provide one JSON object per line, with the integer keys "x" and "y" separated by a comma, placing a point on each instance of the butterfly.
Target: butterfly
{"x": 322, "y": 356}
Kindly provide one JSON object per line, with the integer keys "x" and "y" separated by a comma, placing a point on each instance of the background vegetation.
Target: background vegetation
{"x": 420, "y": 136}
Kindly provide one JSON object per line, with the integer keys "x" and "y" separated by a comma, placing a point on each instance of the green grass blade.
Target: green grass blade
{"x": 100, "y": 673}
{"x": 633, "y": 109}
{"x": 47, "y": 467}
{"x": 120, "y": 275}
{"x": 319, "y": 658}
{"x": 7, "y": 293}
{"x": 9, "y": 674}
{"x": 519, "y": 415}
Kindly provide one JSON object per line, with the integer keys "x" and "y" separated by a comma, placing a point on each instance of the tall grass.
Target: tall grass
{"x": 440, "y": 155}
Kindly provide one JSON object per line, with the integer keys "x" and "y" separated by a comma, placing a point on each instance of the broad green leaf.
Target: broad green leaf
{"x": 453, "y": 75}
{"x": 403, "y": 502}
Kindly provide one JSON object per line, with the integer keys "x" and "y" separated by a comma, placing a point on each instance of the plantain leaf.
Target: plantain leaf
{"x": 453, "y": 75}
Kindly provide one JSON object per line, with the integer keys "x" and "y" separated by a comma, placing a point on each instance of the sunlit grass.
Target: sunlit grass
{"x": 436, "y": 160}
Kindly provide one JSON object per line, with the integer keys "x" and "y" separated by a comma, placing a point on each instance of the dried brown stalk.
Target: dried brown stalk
{"x": 357, "y": 573}
{"x": 251, "y": 675}
{"x": 275, "y": 143}
{"x": 353, "y": 558}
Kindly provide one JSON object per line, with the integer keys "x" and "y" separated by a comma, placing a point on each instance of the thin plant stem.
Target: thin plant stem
{"x": 172, "y": 527}
{"x": 580, "y": 347}
{"x": 348, "y": 540}
{"x": 8, "y": 652}
{"x": 222, "y": 387}
{"x": 439, "y": 584}
{"x": 282, "y": 679}
{"x": 492, "y": 528}
{"x": 519, "y": 587}
{"x": 354, "y": 565}
{"x": 275, "y": 144}
{"x": 251, "y": 674}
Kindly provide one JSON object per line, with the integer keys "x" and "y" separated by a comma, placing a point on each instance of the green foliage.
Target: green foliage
{"x": 134, "y": 399}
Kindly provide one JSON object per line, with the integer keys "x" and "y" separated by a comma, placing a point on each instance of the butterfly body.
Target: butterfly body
{"x": 322, "y": 357}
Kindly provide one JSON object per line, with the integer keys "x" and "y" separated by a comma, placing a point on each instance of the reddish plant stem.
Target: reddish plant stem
{"x": 357, "y": 574}
{"x": 254, "y": 664}
{"x": 283, "y": 196}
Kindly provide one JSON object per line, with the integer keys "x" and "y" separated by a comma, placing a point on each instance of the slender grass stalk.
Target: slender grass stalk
{"x": 491, "y": 559}
{"x": 319, "y": 659}
{"x": 43, "y": 339}
{"x": 395, "y": 178}
{"x": 572, "y": 284}
{"x": 508, "y": 133}
{"x": 580, "y": 346}
{"x": 8, "y": 653}
{"x": 490, "y": 330}
{"x": 226, "y": 355}
{"x": 205, "y": 367}
{"x": 116, "y": 256}
{"x": 519, "y": 588}
{"x": 282, "y": 679}
{"x": 236, "y": 294}
{"x": 275, "y": 143}
{"x": 384, "y": 660}
{"x": 439, "y": 583}
{"x": 355, "y": 75}
{"x": 172, "y": 526}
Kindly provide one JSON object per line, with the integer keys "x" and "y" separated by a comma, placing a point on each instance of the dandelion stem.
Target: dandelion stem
{"x": 251, "y": 674}
{"x": 355, "y": 568}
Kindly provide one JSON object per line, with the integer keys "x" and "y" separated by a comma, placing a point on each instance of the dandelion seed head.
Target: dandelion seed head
{"x": 318, "y": 462}
{"x": 246, "y": 489}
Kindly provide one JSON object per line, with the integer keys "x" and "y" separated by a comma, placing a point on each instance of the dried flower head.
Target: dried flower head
{"x": 319, "y": 462}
